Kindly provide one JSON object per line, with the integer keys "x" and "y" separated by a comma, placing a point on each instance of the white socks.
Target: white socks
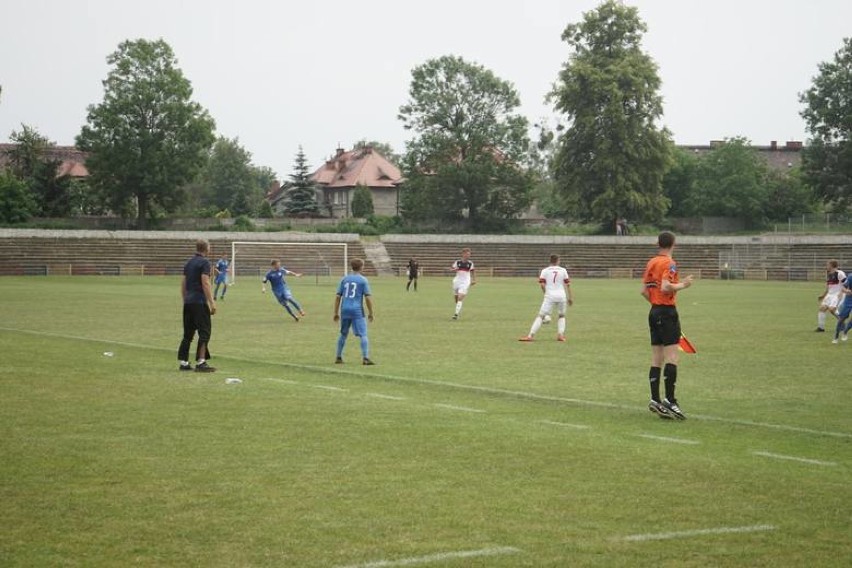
{"x": 458, "y": 307}
{"x": 821, "y": 320}
{"x": 560, "y": 326}
{"x": 536, "y": 325}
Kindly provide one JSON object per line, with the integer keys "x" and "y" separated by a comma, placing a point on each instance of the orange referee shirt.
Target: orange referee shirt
{"x": 661, "y": 267}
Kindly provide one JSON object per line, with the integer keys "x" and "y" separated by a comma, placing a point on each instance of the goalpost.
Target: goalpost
{"x": 253, "y": 258}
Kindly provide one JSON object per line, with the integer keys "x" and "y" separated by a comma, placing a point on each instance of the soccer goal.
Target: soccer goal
{"x": 251, "y": 259}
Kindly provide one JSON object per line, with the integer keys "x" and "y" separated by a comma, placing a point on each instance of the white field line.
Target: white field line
{"x": 385, "y": 396}
{"x": 440, "y": 557}
{"x": 445, "y": 384}
{"x": 794, "y": 458}
{"x": 699, "y": 532}
{"x": 283, "y": 381}
{"x": 566, "y": 425}
{"x": 669, "y": 439}
{"x": 326, "y": 387}
{"x": 459, "y": 408}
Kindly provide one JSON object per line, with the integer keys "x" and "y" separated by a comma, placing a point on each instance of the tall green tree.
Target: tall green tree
{"x": 230, "y": 180}
{"x": 612, "y": 155}
{"x": 147, "y": 138}
{"x": 301, "y": 198}
{"x": 680, "y": 184}
{"x": 827, "y": 160}
{"x": 731, "y": 182}
{"x": 468, "y": 154}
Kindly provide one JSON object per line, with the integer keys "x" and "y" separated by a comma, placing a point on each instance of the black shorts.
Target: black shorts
{"x": 664, "y": 324}
{"x": 196, "y": 317}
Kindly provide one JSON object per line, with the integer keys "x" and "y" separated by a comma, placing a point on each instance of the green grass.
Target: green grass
{"x": 112, "y": 461}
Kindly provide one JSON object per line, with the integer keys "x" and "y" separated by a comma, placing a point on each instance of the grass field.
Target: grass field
{"x": 462, "y": 447}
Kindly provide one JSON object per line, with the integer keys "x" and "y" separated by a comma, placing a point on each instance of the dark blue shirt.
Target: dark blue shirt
{"x": 192, "y": 270}
{"x": 276, "y": 279}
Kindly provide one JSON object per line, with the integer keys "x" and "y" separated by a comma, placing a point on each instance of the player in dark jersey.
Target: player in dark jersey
{"x": 198, "y": 306}
{"x": 660, "y": 285}
{"x": 413, "y": 273}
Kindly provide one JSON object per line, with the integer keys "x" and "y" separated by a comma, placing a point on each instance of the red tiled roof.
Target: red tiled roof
{"x": 364, "y": 166}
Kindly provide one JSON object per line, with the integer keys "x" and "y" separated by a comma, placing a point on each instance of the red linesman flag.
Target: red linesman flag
{"x": 684, "y": 345}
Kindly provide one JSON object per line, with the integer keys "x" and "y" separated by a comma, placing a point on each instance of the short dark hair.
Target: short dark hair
{"x": 833, "y": 263}
{"x": 357, "y": 264}
{"x": 666, "y": 240}
{"x": 274, "y": 260}
{"x": 202, "y": 245}
{"x": 554, "y": 258}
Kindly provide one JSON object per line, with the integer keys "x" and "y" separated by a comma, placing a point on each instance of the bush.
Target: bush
{"x": 243, "y": 223}
{"x": 17, "y": 203}
{"x": 362, "y": 202}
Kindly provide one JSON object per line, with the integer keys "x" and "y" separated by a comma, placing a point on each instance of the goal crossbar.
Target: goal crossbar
{"x": 310, "y": 255}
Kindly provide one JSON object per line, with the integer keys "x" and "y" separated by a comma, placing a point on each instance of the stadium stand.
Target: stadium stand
{"x": 42, "y": 252}
{"x": 37, "y": 252}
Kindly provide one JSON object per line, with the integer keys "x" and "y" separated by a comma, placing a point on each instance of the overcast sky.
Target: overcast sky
{"x": 278, "y": 74}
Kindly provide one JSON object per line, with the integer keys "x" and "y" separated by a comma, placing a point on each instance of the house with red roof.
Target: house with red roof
{"x": 72, "y": 162}
{"x": 337, "y": 179}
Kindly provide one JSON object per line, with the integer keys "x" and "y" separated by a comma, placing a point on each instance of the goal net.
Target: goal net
{"x": 252, "y": 259}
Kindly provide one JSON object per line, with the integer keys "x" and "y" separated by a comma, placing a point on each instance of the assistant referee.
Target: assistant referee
{"x": 660, "y": 285}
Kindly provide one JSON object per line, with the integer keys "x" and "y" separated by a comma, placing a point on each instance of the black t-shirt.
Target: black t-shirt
{"x": 193, "y": 269}
{"x": 413, "y": 268}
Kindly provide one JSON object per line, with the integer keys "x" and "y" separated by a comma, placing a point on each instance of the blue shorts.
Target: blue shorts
{"x": 845, "y": 308}
{"x": 283, "y": 295}
{"x": 222, "y": 279}
{"x": 358, "y": 325}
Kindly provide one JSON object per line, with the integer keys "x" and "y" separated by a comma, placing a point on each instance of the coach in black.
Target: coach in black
{"x": 198, "y": 306}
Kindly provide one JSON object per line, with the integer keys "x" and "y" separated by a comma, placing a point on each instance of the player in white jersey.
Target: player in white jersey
{"x": 831, "y": 297}
{"x": 464, "y": 279}
{"x": 556, "y": 286}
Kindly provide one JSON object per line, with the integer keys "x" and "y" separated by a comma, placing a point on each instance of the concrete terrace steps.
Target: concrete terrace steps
{"x": 127, "y": 252}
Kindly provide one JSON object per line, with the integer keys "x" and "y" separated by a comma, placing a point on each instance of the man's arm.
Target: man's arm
{"x": 369, "y": 301}
{"x": 824, "y": 294}
{"x": 472, "y": 276}
{"x": 208, "y": 293}
{"x": 337, "y": 307}
{"x": 669, "y": 286}
{"x": 296, "y": 274}
{"x": 570, "y": 294}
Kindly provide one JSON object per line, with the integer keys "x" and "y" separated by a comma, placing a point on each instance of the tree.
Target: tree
{"x": 302, "y": 197}
{"x": 787, "y": 195}
{"x": 31, "y": 164}
{"x": 16, "y": 202}
{"x": 470, "y": 147}
{"x": 382, "y": 148}
{"x": 731, "y": 182}
{"x": 230, "y": 179}
{"x": 680, "y": 184}
{"x": 827, "y": 160}
{"x": 147, "y": 138}
{"x": 264, "y": 177}
{"x": 612, "y": 155}
{"x": 362, "y": 201}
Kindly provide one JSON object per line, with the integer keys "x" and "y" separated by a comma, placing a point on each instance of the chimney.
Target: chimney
{"x": 773, "y": 145}
{"x": 794, "y": 145}
{"x": 340, "y": 152}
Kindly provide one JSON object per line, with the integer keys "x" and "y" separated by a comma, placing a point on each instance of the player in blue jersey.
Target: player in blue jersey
{"x": 352, "y": 293}
{"x": 282, "y": 292}
{"x": 844, "y": 311}
{"x": 221, "y": 269}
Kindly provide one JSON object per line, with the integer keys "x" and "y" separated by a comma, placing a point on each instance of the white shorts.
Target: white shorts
{"x": 831, "y": 301}
{"x": 548, "y": 304}
{"x": 461, "y": 287}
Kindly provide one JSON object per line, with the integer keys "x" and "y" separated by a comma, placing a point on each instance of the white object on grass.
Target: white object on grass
{"x": 233, "y": 381}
